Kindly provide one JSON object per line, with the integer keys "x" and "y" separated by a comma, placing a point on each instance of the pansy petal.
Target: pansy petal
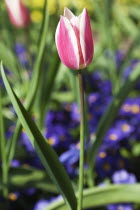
{"x": 66, "y": 43}
{"x": 86, "y": 37}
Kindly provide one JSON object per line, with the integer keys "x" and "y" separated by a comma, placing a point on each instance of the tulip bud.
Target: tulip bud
{"x": 74, "y": 40}
{"x": 18, "y": 13}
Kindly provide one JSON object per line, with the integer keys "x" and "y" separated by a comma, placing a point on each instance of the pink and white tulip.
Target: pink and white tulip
{"x": 74, "y": 40}
{"x": 18, "y": 13}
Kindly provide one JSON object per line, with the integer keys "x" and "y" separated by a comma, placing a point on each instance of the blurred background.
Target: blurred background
{"x": 111, "y": 80}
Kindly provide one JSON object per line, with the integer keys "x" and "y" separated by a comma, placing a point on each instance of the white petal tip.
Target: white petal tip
{"x": 68, "y": 14}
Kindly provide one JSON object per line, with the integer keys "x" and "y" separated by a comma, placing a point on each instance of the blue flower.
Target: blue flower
{"x": 96, "y": 107}
{"x": 10, "y": 131}
{"x": 57, "y": 117}
{"x": 15, "y": 163}
{"x": 131, "y": 107}
{"x": 120, "y": 207}
{"x": 29, "y": 191}
{"x": 125, "y": 127}
{"x": 108, "y": 161}
{"x": 58, "y": 137}
{"x": 119, "y": 57}
{"x": 24, "y": 140}
{"x": 75, "y": 113}
{"x": 119, "y": 133}
{"x": 113, "y": 137}
{"x": 123, "y": 177}
{"x": 125, "y": 109}
{"x": 70, "y": 159}
{"x": 41, "y": 204}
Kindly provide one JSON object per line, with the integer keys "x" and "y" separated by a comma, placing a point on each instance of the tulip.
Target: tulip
{"x": 74, "y": 40}
{"x": 18, "y": 13}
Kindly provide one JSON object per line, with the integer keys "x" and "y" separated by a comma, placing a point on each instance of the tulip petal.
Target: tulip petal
{"x": 68, "y": 14}
{"x": 75, "y": 22}
{"x": 14, "y": 10}
{"x": 66, "y": 43}
{"x": 86, "y": 38}
{"x": 18, "y": 14}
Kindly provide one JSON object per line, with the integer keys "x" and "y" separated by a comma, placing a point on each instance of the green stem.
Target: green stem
{"x": 3, "y": 153}
{"x": 82, "y": 133}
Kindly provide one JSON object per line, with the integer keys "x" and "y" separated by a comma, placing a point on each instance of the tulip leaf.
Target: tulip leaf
{"x": 8, "y": 59}
{"x": 48, "y": 84}
{"x": 47, "y": 155}
{"x": 4, "y": 167}
{"x": 2, "y": 138}
{"x": 101, "y": 196}
{"x": 29, "y": 177}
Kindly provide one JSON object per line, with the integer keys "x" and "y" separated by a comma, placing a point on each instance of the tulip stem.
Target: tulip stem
{"x": 82, "y": 133}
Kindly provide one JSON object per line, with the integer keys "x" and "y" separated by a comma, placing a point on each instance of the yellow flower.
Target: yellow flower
{"x": 54, "y": 7}
{"x": 34, "y": 3}
{"x": 36, "y": 16}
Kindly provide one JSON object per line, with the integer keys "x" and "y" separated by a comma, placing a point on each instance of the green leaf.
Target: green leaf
{"x": 136, "y": 149}
{"x": 8, "y": 58}
{"x": 100, "y": 196}
{"x": 4, "y": 166}
{"x": 26, "y": 177}
{"x": 2, "y": 138}
{"x": 63, "y": 96}
{"x": 47, "y": 155}
{"x": 48, "y": 85}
